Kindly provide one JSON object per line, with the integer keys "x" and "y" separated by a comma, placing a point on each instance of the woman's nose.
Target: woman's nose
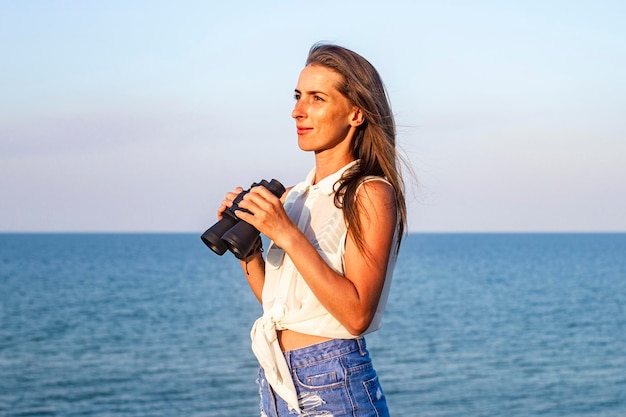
{"x": 298, "y": 110}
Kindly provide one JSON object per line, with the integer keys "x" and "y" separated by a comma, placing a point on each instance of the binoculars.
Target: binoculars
{"x": 230, "y": 232}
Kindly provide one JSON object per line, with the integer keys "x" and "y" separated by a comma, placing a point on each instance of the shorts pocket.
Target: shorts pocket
{"x": 376, "y": 396}
{"x": 328, "y": 378}
{"x": 321, "y": 375}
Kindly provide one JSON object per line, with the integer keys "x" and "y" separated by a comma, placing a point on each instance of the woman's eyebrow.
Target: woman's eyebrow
{"x": 310, "y": 92}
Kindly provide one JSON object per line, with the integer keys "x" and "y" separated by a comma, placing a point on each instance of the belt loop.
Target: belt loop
{"x": 362, "y": 348}
{"x": 287, "y": 355}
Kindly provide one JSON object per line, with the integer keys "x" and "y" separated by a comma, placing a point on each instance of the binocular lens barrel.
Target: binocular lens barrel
{"x": 240, "y": 239}
{"x": 213, "y": 236}
{"x": 230, "y": 233}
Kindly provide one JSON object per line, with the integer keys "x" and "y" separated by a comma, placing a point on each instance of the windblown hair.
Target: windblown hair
{"x": 374, "y": 143}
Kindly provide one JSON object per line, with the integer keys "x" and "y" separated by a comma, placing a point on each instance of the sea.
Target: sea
{"x": 143, "y": 325}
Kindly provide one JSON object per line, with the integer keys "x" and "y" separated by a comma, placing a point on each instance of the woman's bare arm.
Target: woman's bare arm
{"x": 253, "y": 267}
{"x": 352, "y": 299}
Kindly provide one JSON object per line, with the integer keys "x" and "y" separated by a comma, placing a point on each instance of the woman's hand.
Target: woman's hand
{"x": 267, "y": 214}
{"x": 228, "y": 202}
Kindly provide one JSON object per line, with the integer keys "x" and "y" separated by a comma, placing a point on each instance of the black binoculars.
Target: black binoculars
{"x": 231, "y": 233}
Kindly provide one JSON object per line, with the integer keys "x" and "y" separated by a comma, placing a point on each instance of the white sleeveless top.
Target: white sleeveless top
{"x": 288, "y": 302}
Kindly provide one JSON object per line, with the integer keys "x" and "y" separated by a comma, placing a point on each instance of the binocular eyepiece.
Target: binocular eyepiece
{"x": 230, "y": 233}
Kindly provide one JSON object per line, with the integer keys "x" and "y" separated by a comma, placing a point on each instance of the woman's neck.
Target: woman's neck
{"x": 327, "y": 164}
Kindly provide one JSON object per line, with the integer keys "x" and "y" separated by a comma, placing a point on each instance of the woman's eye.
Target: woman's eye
{"x": 318, "y": 98}
{"x": 296, "y": 96}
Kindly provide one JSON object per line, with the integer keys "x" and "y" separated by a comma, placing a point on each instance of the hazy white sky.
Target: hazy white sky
{"x": 139, "y": 116}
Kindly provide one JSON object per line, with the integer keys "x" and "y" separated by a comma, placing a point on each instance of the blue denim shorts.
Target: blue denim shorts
{"x": 334, "y": 378}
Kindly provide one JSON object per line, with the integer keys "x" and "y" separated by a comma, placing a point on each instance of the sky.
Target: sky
{"x": 139, "y": 116}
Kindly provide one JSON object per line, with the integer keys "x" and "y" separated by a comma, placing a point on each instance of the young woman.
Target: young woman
{"x": 334, "y": 241}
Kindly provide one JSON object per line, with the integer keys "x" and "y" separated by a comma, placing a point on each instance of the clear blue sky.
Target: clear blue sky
{"x": 139, "y": 116}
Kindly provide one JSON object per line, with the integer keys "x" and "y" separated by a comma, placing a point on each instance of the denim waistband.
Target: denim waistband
{"x": 325, "y": 350}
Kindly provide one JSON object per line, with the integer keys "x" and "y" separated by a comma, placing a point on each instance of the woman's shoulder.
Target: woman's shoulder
{"x": 376, "y": 183}
{"x": 376, "y": 190}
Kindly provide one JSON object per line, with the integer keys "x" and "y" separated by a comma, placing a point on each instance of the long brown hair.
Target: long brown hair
{"x": 374, "y": 143}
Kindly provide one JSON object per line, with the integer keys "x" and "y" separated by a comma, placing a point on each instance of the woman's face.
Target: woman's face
{"x": 325, "y": 119}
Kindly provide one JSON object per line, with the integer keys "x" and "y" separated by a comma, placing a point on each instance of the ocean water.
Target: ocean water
{"x": 157, "y": 325}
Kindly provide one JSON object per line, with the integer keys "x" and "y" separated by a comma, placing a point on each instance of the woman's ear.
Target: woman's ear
{"x": 357, "y": 118}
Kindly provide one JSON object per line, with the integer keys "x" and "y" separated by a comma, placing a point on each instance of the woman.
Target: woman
{"x": 334, "y": 241}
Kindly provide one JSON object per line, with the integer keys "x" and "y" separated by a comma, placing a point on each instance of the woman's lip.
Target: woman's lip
{"x": 303, "y": 130}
